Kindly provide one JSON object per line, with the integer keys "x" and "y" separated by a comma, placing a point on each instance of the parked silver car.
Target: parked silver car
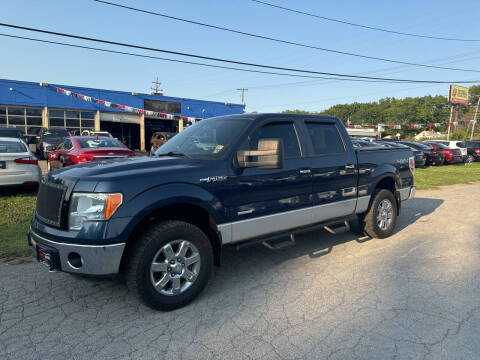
{"x": 18, "y": 165}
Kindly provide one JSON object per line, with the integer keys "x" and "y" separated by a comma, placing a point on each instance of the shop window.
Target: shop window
{"x": 33, "y": 130}
{"x": 72, "y": 114}
{"x": 88, "y": 115}
{"x": 34, "y": 112}
{"x": 73, "y": 123}
{"x": 16, "y": 111}
{"x": 57, "y": 122}
{"x": 37, "y": 121}
{"x": 56, "y": 113}
{"x": 88, "y": 124}
{"x": 16, "y": 120}
{"x": 3, "y": 120}
{"x": 3, "y": 110}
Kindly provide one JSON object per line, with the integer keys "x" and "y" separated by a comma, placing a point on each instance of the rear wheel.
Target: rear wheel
{"x": 470, "y": 159}
{"x": 380, "y": 219}
{"x": 170, "y": 264}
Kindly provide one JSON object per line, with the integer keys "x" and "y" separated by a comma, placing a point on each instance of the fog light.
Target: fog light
{"x": 75, "y": 260}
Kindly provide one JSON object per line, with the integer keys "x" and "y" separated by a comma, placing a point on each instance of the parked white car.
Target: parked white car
{"x": 454, "y": 144}
{"x": 18, "y": 165}
{"x": 96, "y": 133}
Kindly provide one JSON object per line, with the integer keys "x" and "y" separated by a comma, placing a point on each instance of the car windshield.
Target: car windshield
{"x": 206, "y": 139}
{"x": 55, "y": 133}
{"x": 99, "y": 143}
{"x": 442, "y": 146}
{"x": 7, "y": 147}
{"x": 420, "y": 146}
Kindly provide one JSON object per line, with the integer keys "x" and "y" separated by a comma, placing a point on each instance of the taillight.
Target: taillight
{"x": 27, "y": 160}
{"x": 432, "y": 152}
{"x": 83, "y": 158}
{"x": 448, "y": 152}
{"x": 411, "y": 164}
{"x": 477, "y": 151}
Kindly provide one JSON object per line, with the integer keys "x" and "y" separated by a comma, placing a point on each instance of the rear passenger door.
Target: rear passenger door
{"x": 271, "y": 200}
{"x": 333, "y": 166}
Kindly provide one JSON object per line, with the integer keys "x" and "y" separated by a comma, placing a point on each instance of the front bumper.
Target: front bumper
{"x": 95, "y": 259}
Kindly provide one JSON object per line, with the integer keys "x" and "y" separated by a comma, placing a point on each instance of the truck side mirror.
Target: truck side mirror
{"x": 269, "y": 155}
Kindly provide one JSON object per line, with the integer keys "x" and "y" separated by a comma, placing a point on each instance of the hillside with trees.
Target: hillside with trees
{"x": 409, "y": 110}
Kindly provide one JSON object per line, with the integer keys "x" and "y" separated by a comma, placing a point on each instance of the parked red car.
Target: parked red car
{"x": 81, "y": 149}
{"x": 452, "y": 156}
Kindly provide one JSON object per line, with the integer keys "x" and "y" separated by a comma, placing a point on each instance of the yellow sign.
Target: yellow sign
{"x": 458, "y": 94}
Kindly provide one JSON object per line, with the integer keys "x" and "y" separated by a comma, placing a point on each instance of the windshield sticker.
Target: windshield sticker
{"x": 218, "y": 148}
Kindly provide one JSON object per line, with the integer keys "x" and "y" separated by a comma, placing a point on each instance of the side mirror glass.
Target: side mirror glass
{"x": 269, "y": 155}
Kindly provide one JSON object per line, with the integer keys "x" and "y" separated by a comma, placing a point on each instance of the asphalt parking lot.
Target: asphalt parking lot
{"x": 414, "y": 295}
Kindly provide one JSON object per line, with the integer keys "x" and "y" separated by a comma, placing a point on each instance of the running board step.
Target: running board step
{"x": 338, "y": 228}
{"x": 278, "y": 245}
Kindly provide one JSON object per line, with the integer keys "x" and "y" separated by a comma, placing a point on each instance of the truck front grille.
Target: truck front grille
{"x": 49, "y": 203}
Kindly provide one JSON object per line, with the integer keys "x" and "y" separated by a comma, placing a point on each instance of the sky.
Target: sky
{"x": 29, "y": 61}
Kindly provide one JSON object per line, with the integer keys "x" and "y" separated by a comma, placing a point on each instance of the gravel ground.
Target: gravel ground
{"x": 413, "y": 295}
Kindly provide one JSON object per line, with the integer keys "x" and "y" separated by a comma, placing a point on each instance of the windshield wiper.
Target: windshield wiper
{"x": 173, "y": 153}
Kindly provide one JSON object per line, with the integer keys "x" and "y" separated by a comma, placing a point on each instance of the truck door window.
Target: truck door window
{"x": 325, "y": 138}
{"x": 280, "y": 130}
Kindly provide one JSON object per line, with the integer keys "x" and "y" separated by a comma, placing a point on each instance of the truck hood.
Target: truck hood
{"x": 139, "y": 168}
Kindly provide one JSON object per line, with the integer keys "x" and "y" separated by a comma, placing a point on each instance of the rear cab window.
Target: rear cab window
{"x": 325, "y": 138}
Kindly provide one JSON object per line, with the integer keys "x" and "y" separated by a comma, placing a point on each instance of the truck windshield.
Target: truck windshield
{"x": 207, "y": 139}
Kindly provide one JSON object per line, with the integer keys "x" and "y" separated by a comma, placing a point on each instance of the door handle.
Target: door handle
{"x": 350, "y": 166}
{"x": 305, "y": 171}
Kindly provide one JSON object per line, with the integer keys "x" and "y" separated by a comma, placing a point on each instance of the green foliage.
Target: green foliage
{"x": 434, "y": 176}
{"x": 392, "y": 111}
{"x": 16, "y": 211}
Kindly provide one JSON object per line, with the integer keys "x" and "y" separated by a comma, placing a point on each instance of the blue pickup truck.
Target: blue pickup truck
{"x": 162, "y": 220}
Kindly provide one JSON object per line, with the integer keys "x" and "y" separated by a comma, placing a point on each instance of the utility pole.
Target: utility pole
{"x": 243, "y": 94}
{"x": 475, "y": 118}
{"x": 156, "y": 90}
{"x": 450, "y": 122}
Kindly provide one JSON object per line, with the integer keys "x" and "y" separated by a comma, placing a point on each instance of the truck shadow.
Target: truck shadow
{"x": 319, "y": 243}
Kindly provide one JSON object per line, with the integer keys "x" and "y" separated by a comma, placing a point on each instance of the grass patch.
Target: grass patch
{"x": 434, "y": 176}
{"x": 16, "y": 211}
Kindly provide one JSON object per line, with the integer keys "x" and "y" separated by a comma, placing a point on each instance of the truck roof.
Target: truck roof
{"x": 255, "y": 116}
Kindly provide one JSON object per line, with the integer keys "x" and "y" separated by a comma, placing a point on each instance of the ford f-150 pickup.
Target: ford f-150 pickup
{"x": 162, "y": 220}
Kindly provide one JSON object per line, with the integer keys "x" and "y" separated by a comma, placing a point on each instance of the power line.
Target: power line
{"x": 189, "y": 62}
{"x": 364, "y": 26}
{"x": 280, "y": 40}
{"x": 214, "y": 58}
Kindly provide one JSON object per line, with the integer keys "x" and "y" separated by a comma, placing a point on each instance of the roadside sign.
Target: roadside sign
{"x": 458, "y": 95}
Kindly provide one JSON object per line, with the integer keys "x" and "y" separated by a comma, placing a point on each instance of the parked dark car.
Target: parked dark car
{"x": 420, "y": 156}
{"x": 452, "y": 156}
{"x": 240, "y": 180}
{"x": 434, "y": 157}
{"x": 48, "y": 139}
{"x": 473, "y": 150}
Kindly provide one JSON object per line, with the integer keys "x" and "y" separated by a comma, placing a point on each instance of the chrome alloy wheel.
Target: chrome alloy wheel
{"x": 175, "y": 267}
{"x": 384, "y": 214}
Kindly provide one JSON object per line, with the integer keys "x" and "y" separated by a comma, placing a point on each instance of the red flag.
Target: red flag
{"x": 430, "y": 125}
{"x": 101, "y": 102}
{"x": 80, "y": 96}
{"x": 391, "y": 126}
{"x": 121, "y": 107}
{"x": 184, "y": 117}
{"x": 60, "y": 90}
{"x": 141, "y": 111}
{"x": 411, "y": 126}
{"x": 163, "y": 115}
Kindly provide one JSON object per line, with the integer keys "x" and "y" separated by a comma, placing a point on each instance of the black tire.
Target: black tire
{"x": 370, "y": 225}
{"x": 142, "y": 255}
{"x": 470, "y": 159}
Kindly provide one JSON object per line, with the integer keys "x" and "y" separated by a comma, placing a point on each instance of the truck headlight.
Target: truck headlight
{"x": 92, "y": 207}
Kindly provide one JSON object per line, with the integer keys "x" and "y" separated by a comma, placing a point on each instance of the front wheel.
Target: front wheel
{"x": 381, "y": 217}
{"x": 170, "y": 264}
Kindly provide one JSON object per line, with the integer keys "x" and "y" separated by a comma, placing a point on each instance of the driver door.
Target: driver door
{"x": 271, "y": 200}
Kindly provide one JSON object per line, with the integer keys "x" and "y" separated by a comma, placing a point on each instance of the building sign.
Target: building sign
{"x": 163, "y": 106}
{"x": 458, "y": 95}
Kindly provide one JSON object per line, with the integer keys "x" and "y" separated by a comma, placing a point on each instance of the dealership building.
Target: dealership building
{"x": 30, "y": 106}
